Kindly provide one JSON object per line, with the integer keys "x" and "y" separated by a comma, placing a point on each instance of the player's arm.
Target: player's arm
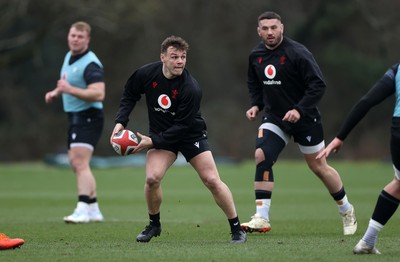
{"x": 94, "y": 78}
{"x": 145, "y": 143}
{"x": 93, "y": 93}
{"x": 118, "y": 127}
{"x": 255, "y": 91}
{"x": 313, "y": 79}
{"x": 49, "y": 96}
{"x": 382, "y": 89}
{"x": 133, "y": 90}
{"x": 252, "y": 113}
{"x": 333, "y": 146}
{"x": 292, "y": 116}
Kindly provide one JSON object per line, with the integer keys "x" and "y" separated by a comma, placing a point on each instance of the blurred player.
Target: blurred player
{"x": 82, "y": 88}
{"x": 389, "y": 199}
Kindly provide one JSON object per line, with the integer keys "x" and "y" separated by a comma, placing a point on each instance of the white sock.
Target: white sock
{"x": 344, "y": 206}
{"x": 82, "y": 205}
{"x": 262, "y": 207}
{"x": 94, "y": 206}
{"x": 372, "y": 232}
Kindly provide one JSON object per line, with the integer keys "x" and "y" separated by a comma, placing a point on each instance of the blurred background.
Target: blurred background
{"x": 354, "y": 42}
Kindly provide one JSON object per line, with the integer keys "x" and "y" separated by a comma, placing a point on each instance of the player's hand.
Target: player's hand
{"x": 333, "y": 146}
{"x": 145, "y": 143}
{"x": 291, "y": 116}
{"x": 49, "y": 97}
{"x": 118, "y": 127}
{"x": 64, "y": 87}
{"x": 252, "y": 113}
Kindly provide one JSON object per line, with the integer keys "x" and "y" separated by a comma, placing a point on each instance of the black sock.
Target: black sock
{"x": 155, "y": 219}
{"x": 84, "y": 198}
{"x": 385, "y": 207}
{"x": 92, "y": 200}
{"x": 235, "y": 224}
{"x": 263, "y": 194}
{"x": 339, "y": 195}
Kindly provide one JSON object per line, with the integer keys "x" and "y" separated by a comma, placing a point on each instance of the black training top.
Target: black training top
{"x": 173, "y": 105}
{"x": 382, "y": 89}
{"x": 285, "y": 78}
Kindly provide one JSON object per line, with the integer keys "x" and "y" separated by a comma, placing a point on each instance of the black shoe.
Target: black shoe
{"x": 149, "y": 232}
{"x": 238, "y": 237}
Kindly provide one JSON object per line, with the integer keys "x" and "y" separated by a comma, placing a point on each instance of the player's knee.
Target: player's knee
{"x": 322, "y": 169}
{"x": 259, "y": 155}
{"x": 78, "y": 164}
{"x": 153, "y": 180}
{"x": 316, "y": 169}
{"x": 264, "y": 171}
{"x": 212, "y": 182}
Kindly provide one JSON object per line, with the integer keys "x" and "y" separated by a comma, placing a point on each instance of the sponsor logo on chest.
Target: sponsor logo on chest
{"x": 164, "y": 103}
{"x": 270, "y": 73}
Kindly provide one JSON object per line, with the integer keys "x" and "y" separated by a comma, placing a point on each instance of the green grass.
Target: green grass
{"x": 305, "y": 221}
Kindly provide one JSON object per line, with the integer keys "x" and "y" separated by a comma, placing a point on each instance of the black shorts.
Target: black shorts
{"x": 188, "y": 150}
{"x": 308, "y": 134}
{"x": 395, "y": 145}
{"x": 85, "y": 128}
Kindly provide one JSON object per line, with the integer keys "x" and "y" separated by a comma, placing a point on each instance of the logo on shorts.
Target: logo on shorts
{"x": 164, "y": 101}
{"x": 197, "y": 144}
{"x": 308, "y": 138}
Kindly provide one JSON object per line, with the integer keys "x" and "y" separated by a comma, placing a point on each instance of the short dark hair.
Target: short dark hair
{"x": 176, "y": 42}
{"x": 269, "y": 15}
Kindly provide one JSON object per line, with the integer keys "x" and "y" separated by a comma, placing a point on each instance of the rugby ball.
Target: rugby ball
{"x": 124, "y": 142}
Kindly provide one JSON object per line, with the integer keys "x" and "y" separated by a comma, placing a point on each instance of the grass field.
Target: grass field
{"x": 305, "y": 221}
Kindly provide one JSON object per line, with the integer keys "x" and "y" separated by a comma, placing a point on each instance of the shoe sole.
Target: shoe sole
{"x": 242, "y": 241}
{"x": 96, "y": 220}
{"x": 14, "y": 247}
{"x": 145, "y": 241}
{"x": 83, "y": 222}
{"x": 259, "y": 230}
{"x": 358, "y": 252}
{"x": 75, "y": 222}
